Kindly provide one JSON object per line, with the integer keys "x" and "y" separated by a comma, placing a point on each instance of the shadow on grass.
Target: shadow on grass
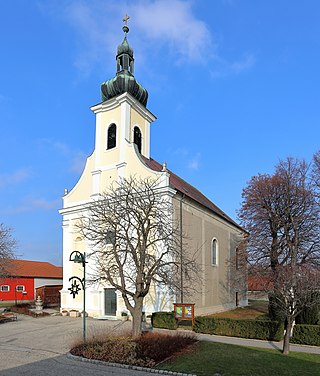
{"x": 208, "y": 358}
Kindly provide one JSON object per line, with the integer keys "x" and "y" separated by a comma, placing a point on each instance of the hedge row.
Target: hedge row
{"x": 164, "y": 320}
{"x": 267, "y": 330}
{"x": 306, "y": 334}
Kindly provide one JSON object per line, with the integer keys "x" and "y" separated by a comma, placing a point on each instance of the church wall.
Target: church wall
{"x": 213, "y": 292}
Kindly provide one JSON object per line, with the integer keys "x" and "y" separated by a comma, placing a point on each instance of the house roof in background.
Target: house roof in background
{"x": 188, "y": 190}
{"x": 39, "y": 269}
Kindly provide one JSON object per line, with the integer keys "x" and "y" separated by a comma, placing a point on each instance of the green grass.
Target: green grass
{"x": 208, "y": 358}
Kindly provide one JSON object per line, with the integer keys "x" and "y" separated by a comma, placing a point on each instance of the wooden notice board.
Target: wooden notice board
{"x": 184, "y": 311}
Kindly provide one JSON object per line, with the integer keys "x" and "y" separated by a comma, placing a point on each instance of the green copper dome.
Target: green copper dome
{"x": 124, "y": 81}
{"x": 124, "y": 47}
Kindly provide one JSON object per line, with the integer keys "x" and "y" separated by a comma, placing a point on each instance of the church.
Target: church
{"x": 122, "y": 150}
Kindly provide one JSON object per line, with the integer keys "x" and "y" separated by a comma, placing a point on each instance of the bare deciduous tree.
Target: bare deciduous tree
{"x": 296, "y": 288}
{"x": 7, "y": 247}
{"x": 135, "y": 242}
{"x": 280, "y": 212}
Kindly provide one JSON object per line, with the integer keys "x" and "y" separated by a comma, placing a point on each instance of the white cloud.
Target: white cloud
{"x": 169, "y": 24}
{"x": 33, "y": 204}
{"x": 246, "y": 63}
{"x": 78, "y": 162}
{"x": 15, "y": 177}
{"x": 174, "y": 23}
{"x": 194, "y": 162}
{"x": 75, "y": 158}
{"x": 224, "y": 68}
{"x": 163, "y": 26}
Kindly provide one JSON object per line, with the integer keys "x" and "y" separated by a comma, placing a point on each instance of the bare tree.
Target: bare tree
{"x": 7, "y": 247}
{"x": 315, "y": 174}
{"x": 297, "y": 288}
{"x": 280, "y": 212}
{"x": 135, "y": 242}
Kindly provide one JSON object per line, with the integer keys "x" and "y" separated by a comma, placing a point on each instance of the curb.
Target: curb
{"x": 126, "y": 366}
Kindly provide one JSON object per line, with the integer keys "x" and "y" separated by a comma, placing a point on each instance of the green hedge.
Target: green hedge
{"x": 164, "y": 320}
{"x": 267, "y": 330}
{"x": 306, "y": 334}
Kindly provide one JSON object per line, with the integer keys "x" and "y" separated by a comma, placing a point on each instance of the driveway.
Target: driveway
{"x": 35, "y": 347}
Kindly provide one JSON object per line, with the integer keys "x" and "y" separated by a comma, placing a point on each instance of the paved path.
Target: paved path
{"x": 259, "y": 343}
{"x": 38, "y": 347}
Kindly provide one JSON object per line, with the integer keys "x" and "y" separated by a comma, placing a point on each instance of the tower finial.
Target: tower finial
{"x": 125, "y": 20}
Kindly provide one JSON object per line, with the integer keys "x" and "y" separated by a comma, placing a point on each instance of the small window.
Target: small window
{"x": 20, "y": 288}
{"x": 5, "y": 288}
{"x": 111, "y": 237}
{"x": 112, "y": 136}
{"x": 137, "y": 137}
{"x": 214, "y": 252}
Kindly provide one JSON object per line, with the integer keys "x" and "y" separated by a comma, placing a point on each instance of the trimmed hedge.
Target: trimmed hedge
{"x": 306, "y": 334}
{"x": 309, "y": 315}
{"x": 267, "y": 330}
{"x": 164, "y": 320}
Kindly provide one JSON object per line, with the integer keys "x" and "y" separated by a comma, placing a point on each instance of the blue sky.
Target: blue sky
{"x": 234, "y": 85}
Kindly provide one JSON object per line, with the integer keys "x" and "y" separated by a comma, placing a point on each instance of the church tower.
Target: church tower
{"x": 122, "y": 144}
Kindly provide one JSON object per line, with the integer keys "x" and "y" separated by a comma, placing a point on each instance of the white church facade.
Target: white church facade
{"x": 122, "y": 150}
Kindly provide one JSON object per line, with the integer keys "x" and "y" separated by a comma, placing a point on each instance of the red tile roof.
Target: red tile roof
{"x": 187, "y": 189}
{"x": 259, "y": 283}
{"x": 39, "y": 269}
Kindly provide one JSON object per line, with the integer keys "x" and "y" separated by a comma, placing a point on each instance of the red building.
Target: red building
{"x": 25, "y": 277}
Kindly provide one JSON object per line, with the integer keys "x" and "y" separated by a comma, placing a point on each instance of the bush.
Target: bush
{"x": 164, "y": 320}
{"x": 309, "y": 315}
{"x": 146, "y": 351}
{"x": 267, "y": 330}
{"x": 306, "y": 335}
{"x": 275, "y": 313}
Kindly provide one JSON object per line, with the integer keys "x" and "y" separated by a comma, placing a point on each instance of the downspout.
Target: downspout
{"x": 181, "y": 252}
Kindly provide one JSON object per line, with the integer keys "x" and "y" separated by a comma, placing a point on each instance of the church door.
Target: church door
{"x": 110, "y": 302}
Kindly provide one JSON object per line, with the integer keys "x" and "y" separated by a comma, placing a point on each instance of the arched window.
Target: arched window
{"x": 112, "y": 136}
{"x": 137, "y": 137}
{"x": 214, "y": 252}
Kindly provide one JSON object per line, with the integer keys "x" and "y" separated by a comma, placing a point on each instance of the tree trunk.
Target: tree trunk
{"x": 137, "y": 319}
{"x": 286, "y": 340}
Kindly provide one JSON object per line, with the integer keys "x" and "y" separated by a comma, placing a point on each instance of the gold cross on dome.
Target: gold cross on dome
{"x": 125, "y": 19}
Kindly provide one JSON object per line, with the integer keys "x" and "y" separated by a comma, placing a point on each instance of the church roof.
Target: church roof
{"x": 36, "y": 269}
{"x": 190, "y": 191}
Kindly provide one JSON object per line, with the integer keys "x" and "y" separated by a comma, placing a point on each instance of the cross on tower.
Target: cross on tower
{"x": 125, "y": 19}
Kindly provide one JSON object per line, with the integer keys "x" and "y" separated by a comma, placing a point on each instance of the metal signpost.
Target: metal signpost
{"x": 76, "y": 282}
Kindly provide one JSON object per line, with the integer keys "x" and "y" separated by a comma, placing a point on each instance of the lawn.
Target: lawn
{"x": 208, "y": 358}
{"x": 255, "y": 309}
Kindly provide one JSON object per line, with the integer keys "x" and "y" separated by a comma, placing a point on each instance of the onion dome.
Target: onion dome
{"x": 124, "y": 80}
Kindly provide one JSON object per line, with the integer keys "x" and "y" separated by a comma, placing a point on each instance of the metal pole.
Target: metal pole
{"x": 181, "y": 256}
{"x": 84, "y": 297}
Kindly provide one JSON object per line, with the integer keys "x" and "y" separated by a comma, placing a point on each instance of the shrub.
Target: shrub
{"x": 159, "y": 346}
{"x": 145, "y": 351}
{"x": 306, "y": 335}
{"x": 164, "y": 320}
{"x": 275, "y": 313}
{"x": 309, "y": 315}
{"x": 267, "y": 330}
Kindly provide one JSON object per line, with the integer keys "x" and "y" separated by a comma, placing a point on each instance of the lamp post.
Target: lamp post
{"x": 80, "y": 258}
